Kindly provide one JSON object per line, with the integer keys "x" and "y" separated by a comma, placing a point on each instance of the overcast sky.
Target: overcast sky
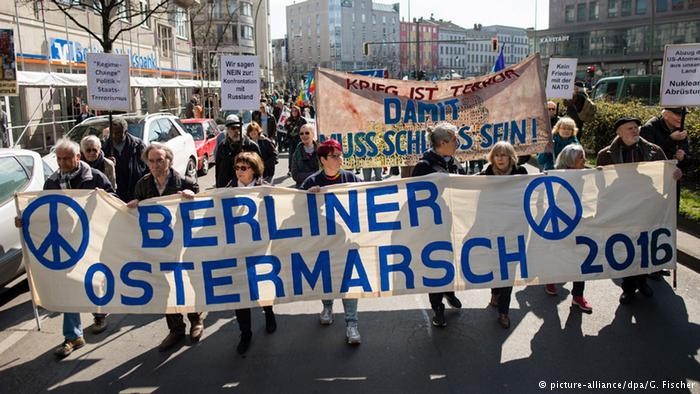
{"x": 465, "y": 13}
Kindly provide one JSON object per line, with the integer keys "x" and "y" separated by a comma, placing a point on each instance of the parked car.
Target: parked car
{"x": 20, "y": 171}
{"x": 160, "y": 127}
{"x": 204, "y": 131}
{"x": 628, "y": 87}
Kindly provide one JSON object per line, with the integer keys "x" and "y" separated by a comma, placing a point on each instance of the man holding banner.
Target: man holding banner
{"x": 628, "y": 147}
{"x": 163, "y": 180}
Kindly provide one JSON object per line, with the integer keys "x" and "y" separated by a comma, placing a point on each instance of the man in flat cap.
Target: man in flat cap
{"x": 629, "y": 147}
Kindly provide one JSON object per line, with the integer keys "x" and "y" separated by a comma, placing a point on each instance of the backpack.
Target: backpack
{"x": 588, "y": 111}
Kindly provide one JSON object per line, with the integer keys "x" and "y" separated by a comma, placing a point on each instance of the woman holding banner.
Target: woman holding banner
{"x": 330, "y": 154}
{"x": 572, "y": 157}
{"x": 439, "y": 158}
{"x": 249, "y": 173}
{"x": 502, "y": 161}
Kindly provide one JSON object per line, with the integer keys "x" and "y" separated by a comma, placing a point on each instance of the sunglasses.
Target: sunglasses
{"x": 552, "y": 109}
{"x": 91, "y": 150}
{"x": 305, "y": 133}
{"x": 242, "y": 168}
{"x": 335, "y": 156}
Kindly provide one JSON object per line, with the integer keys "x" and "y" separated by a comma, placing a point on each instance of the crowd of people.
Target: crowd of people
{"x": 134, "y": 172}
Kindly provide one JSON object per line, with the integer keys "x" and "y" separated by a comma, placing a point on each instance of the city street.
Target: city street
{"x": 652, "y": 344}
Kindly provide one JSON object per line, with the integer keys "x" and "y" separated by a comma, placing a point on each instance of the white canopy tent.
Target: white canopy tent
{"x": 44, "y": 79}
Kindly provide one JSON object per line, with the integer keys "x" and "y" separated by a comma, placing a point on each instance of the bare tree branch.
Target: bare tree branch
{"x": 80, "y": 25}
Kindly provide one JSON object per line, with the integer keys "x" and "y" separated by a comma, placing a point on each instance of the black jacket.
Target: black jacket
{"x": 226, "y": 152}
{"x": 517, "y": 170}
{"x": 268, "y": 153}
{"x": 432, "y": 162}
{"x": 657, "y": 132}
{"x": 88, "y": 178}
{"x": 129, "y": 167}
{"x": 614, "y": 153}
{"x": 271, "y": 131}
{"x": 146, "y": 186}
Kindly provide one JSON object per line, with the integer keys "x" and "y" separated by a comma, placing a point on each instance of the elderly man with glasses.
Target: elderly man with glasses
{"x": 233, "y": 143}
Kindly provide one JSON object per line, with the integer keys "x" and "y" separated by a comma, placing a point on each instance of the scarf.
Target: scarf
{"x": 496, "y": 171}
{"x": 65, "y": 178}
{"x": 99, "y": 163}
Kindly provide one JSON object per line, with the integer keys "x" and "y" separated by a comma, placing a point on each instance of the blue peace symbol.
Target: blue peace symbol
{"x": 54, "y": 240}
{"x": 553, "y": 214}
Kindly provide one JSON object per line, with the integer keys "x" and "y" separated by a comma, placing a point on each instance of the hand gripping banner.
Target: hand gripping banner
{"x": 85, "y": 251}
{"x": 383, "y": 122}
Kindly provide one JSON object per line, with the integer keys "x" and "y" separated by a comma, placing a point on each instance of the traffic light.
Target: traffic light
{"x": 494, "y": 44}
{"x": 365, "y": 48}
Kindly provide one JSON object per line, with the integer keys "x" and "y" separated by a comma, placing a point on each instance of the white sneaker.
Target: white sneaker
{"x": 352, "y": 334}
{"x": 326, "y": 317}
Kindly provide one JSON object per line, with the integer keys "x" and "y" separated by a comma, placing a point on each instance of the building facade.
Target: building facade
{"x": 618, "y": 37}
{"x": 279, "y": 62}
{"x": 48, "y": 43}
{"x": 419, "y": 48}
{"x": 332, "y": 34}
{"x": 238, "y": 27}
{"x": 452, "y": 62}
{"x": 481, "y": 55}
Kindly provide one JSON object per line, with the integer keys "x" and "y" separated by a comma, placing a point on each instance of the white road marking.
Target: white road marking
{"x": 338, "y": 378}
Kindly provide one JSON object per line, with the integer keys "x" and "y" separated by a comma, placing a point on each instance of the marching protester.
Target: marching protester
{"x": 439, "y": 158}
{"x": 304, "y": 162}
{"x": 91, "y": 153}
{"x": 197, "y": 109}
{"x": 126, "y": 152}
{"x": 249, "y": 173}
{"x": 665, "y": 131}
{"x": 267, "y": 122}
{"x": 77, "y": 175}
{"x": 574, "y": 106}
{"x": 278, "y": 109}
{"x": 502, "y": 161}
{"x": 293, "y": 126}
{"x": 268, "y": 150}
{"x": 163, "y": 180}
{"x": 228, "y": 148}
{"x": 330, "y": 154}
{"x": 572, "y": 157}
{"x": 629, "y": 147}
{"x": 563, "y": 134}
{"x": 553, "y": 115}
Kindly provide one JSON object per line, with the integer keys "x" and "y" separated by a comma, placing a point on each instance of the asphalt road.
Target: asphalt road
{"x": 653, "y": 342}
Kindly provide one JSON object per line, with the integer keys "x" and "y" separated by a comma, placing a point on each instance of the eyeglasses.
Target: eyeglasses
{"x": 552, "y": 109}
{"x": 335, "y": 156}
{"x": 91, "y": 150}
{"x": 242, "y": 168}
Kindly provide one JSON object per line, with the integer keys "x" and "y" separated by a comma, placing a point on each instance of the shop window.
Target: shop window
{"x": 641, "y": 7}
{"x": 569, "y": 13}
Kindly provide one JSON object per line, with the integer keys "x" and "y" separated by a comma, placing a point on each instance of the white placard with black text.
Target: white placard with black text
{"x": 560, "y": 77}
{"x": 680, "y": 77}
{"x": 240, "y": 82}
{"x": 108, "y": 82}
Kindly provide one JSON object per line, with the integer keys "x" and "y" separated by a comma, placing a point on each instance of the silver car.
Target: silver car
{"x": 20, "y": 171}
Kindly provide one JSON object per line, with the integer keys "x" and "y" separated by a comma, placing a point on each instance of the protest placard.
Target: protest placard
{"x": 240, "y": 82}
{"x": 560, "y": 77}
{"x": 108, "y": 82}
{"x": 8, "y": 63}
{"x": 680, "y": 77}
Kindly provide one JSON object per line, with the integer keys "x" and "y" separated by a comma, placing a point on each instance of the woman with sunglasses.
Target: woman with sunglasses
{"x": 249, "y": 170}
{"x": 304, "y": 161}
{"x": 91, "y": 153}
{"x": 330, "y": 154}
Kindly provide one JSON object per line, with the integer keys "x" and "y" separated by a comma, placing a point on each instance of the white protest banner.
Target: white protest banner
{"x": 85, "y": 251}
{"x": 383, "y": 122}
{"x": 680, "y": 76}
{"x": 108, "y": 82}
{"x": 240, "y": 82}
{"x": 560, "y": 77}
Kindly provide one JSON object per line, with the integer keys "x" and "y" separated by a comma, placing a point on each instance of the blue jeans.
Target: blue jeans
{"x": 367, "y": 174}
{"x": 349, "y": 307}
{"x": 72, "y": 329}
